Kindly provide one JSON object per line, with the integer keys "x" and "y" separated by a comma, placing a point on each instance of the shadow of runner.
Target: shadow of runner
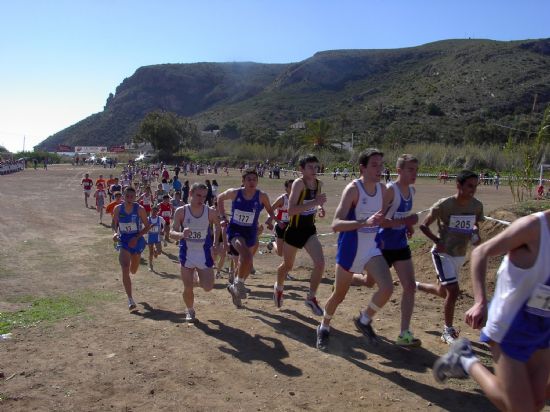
{"x": 248, "y": 348}
{"x": 171, "y": 256}
{"x": 160, "y": 314}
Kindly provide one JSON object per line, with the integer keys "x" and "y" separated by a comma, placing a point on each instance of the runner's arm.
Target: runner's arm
{"x": 349, "y": 198}
{"x": 425, "y": 227}
{"x": 388, "y": 197}
{"x": 229, "y": 194}
{"x": 264, "y": 198}
{"x": 177, "y": 224}
{"x": 278, "y": 203}
{"x": 215, "y": 220}
{"x": 146, "y": 225}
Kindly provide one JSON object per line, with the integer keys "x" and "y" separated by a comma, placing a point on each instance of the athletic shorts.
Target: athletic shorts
{"x": 87, "y": 192}
{"x": 357, "y": 262}
{"x": 196, "y": 258}
{"x": 527, "y": 334}
{"x": 153, "y": 239}
{"x": 280, "y": 233}
{"x": 395, "y": 255}
{"x": 249, "y": 233}
{"x": 447, "y": 267}
{"x": 123, "y": 244}
{"x": 298, "y": 237}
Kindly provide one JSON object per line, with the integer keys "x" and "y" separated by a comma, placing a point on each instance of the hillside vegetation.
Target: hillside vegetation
{"x": 451, "y": 91}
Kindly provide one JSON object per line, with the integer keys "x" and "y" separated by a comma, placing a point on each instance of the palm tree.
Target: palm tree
{"x": 317, "y": 135}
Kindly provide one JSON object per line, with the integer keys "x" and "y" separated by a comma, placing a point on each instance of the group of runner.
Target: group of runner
{"x": 374, "y": 222}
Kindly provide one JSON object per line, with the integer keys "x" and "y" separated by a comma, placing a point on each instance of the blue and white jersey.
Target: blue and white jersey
{"x": 195, "y": 250}
{"x": 519, "y": 313}
{"x": 396, "y": 238}
{"x": 157, "y": 226}
{"x": 246, "y": 212}
{"x": 355, "y": 247}
{"x": 129, "y": 224}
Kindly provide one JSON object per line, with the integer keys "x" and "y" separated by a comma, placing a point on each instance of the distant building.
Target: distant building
{"x": 298, "y": 125}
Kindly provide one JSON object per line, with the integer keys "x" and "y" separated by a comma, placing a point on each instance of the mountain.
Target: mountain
{"x": 451, "y": 90}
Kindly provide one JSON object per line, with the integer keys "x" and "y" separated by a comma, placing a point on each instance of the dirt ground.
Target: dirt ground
{"x": 255, "y": 358}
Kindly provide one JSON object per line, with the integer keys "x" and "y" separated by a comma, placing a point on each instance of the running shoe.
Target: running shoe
{"x": 314, "y": 306}
{"x": 190, "y": 316}
{"x": 132, "y": 307}
{"x": 241, "y": 289}
{"x": 449, "y": 365}
{"x": 234, "y": 296}
{"x": 289, "y": 277}
{"x": 366, "y": 330}
{"x": 253, "y": 271}
{"x": 269, "y": 246}
{"x": 449, "y": 335}
{"x": 323, "y": 336}
{"x": 231, "y": 277}
{"x": 277, "y": 297}
{"x": 407, "y": 339}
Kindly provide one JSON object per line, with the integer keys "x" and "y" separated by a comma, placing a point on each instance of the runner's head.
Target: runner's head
{"x": 116, "y": 180}
{"x": 466, "y": 184}
{"x": 166, "y": 199}
{"x": 407, "y": 168}
{"x": 155, "y": 211}
{"x": 309, "y": 165}
{"x": 118, "y": 196}
{"x": 371, "y": 164}
{"x": 129, "y": 194}
{"x": 197, "y": 194}
{"x": 86, "y": 175}
{"x": 288, "y": 185}
{"x": 250, "y": 178}
{"x": 177, "y": 194}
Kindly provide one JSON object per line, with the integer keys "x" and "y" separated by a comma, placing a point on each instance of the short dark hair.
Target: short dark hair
{"x": 309, "y": 158}
{"x": 117, "y": 194}
{"x": 129, "y": 189}
{"x": 165, "y": 197}
{"x": 198, "y": 185}
{"x": 404, "y": 158}
{"x": 249, "y": 171}
{"x": 464, "y": 175}
{"x": 289, "y": 182}
{"x": 367, "y": 154}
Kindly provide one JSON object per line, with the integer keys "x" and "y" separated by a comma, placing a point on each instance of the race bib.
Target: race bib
{"x": 166, "y": 213}
{"x": 284, "y": 217}
{"x": 197, "y": 235}
{"x": 243, "y": 218}
{"x": 130, "y": 227}
{"x": 539, "y": 303}
{"x": 462, "y": 223}
{"x": 154, "y": 229}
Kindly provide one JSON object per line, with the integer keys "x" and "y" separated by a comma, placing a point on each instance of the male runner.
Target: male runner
{"x": 100, "y": 195}
{"x": 153, "y": 236}
{"x": 518, "y": 324}
{"x": 131, "y": 221}
{"x": 87, "y": 184}
{"x": 192, "y": 227}
{"x": 247, "y": 204}
{"x": 165, "y": 210}
{"x": 304, "y": 200}
{"x": 281, "y": 205}
{"x": 110, "y": 181}
{"x": 393, "y": 238}
{"x": 457, "y": 219}
{"x": 358, "y": 218}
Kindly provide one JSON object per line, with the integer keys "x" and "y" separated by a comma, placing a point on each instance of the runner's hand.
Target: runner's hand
{"x": 133, "y": 242}
{"x": 476, "y": 315}
{"x": 320, "y": 199}
{"x": 375, "y": 219}
{"x": 186, "y": 233}
{"x": 322, "y": 212}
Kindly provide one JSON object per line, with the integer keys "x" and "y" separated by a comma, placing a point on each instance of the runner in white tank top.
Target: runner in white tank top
{"x": 192, "y": 227}
{"x": 518, "y": 325}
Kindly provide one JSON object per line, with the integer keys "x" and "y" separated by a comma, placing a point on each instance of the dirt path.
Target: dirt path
{"x": 255, "y": 358}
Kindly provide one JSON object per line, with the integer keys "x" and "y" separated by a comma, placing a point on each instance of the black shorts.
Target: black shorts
{"x": 394, "y": 255}
{"x": 280, "y": 233}
{"x": 298, "y": 237}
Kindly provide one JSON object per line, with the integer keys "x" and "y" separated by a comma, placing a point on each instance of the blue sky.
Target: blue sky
{"x": 59, "y": 60}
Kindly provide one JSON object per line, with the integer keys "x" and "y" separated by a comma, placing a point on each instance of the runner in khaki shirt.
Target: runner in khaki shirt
{"x": 457, "y": 219}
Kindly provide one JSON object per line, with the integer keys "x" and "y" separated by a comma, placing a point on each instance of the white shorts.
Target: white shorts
{"x": 87, "y": 192}
{"x": 361, "y": 260}
{"x": 447, "y": 267}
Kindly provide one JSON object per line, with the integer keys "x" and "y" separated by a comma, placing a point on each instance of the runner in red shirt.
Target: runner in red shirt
{"x": 165, "y": 210}
{"x": 87, "y": 185}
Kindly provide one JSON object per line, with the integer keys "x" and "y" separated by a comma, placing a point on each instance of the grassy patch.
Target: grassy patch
{"x": 417, "y": 242}
{"x": 50, "y": 309}
{"x": 528, "y": 207}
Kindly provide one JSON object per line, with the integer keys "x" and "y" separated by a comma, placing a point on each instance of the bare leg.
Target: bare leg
{"x": 124, "y": 259}
{"x": 315, "y": 251}
{"x": 379, "y": 270}
{"x": 405, "y": 272}
{"x": 289, "y": 255}
{"x": 342, "y": 283}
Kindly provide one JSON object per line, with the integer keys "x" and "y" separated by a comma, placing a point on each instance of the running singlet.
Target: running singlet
{"x": 307, "y": 217}
{"x": 282, "y": 212}
{"x": 165, "y": 210}
{"x": 87, "y": 184}
{"x": 195, "y": 249}
{"x": 396, "y": 238}
{"x": 116, "y": 188}
{"x": 356, "y": 246}
{"x": 246, "y": 212}
{"x": 128, "y": 223}
{"x": 156, "y": 227}
{"x": 146, "y": 200}
{"x": 519, "y": 313}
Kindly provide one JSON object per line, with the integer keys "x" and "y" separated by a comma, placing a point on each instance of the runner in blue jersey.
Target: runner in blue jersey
{"x": 247, "y": 204}
{"x": 153, "y": 237}
{"x": 130, "y": 221}
{"x": 517, "y": 325}
{"x": 393, "y": 237}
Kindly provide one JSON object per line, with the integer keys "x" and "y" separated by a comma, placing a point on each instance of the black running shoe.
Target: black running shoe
{"x": 366, "y": 330}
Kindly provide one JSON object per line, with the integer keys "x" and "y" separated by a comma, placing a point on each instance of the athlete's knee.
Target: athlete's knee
{"x": 386, "y": 290}
{"x": 319, "y": 265}
{"x": 409, "y": 288}
{"x": 452, "y": 291}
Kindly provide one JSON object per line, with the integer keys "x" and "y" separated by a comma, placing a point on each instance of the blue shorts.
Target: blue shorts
{"x": 248, "y": 233}
{"x": 123, "y": 244}
{"x": 153, "y": 239}
{"x": 527, "y": 334}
